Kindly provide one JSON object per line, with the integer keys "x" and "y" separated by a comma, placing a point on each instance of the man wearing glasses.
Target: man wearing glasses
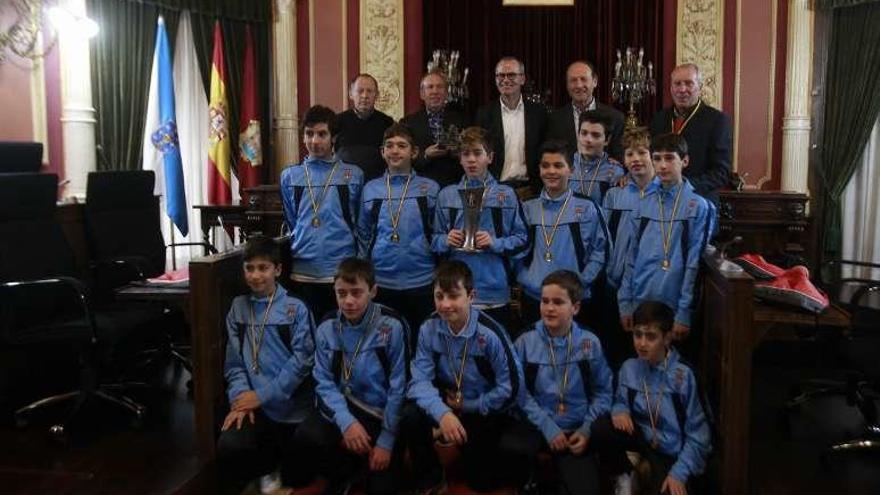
{"x": 517, "y": 128}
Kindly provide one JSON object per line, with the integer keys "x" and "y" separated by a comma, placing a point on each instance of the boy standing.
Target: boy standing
{"x": 465, "y": 379}
{"x": 568, "y": 383}
{"x": 269, "y": 357}
{"x": 567, "y": 232}
{"x": 501, "y": 233}
{"x": 360, "y": 370}
{"x": 395, "y": 229}
{"x": 671, "y": 228}
{"x": 657, "y": 411}
{"x": 321, "y": 197}
{"x": 594, "y": 173}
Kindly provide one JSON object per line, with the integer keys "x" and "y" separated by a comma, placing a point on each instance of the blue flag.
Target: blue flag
{"x": 164, "y": 137}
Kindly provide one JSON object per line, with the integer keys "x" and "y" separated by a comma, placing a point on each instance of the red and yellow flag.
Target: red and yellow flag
{"x": 219, "y": 150}
{"x": 250, "y": 156}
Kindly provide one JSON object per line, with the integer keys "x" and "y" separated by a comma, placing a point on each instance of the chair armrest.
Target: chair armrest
{"x": 137, "y": 264}
{"x": 79, "y": 289}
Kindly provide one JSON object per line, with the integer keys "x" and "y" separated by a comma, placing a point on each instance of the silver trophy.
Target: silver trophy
{"x": 472, "y": 206}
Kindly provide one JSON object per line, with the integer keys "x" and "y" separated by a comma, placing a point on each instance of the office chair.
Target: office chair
{"x": 858, "y": 349}
{"x": 45, "y": 306}
{"x": 20, "y": 157}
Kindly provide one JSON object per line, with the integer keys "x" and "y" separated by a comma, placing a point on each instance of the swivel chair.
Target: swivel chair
{"x": 43, "y": 303}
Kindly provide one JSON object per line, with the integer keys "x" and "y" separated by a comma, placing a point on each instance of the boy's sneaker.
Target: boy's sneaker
{"x": 623, "y": 484}
{"x": 270, "y": 483}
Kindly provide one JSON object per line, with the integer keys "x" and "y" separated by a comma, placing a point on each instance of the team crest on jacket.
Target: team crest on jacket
{"x": 291, "y": 311}
{"x": 346, "y": 174}
{"x": 501, "y": 196}
{"x": 679, "y": 379}
{"x": 587, "y": 347}
{"x": 578, "y": 211}
{"x": 481, "y": 341}
{"x": 692, "y": 204}
{"x": 423, "y": 188}
{"x": 384, "y": 333}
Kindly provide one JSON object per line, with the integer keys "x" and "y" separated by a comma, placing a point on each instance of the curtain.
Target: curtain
{"x": 833, "y": 4}
{"x": 861, "y": 211}
{"x": 852, "y": 106}
{"x": 546, "y": 39}
{"x": 122, "y": 54}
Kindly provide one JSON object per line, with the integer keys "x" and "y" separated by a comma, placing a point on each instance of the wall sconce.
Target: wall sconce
{"x": 23, "y": 35}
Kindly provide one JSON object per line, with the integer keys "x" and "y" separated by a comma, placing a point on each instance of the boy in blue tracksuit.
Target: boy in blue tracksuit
{"x": 594, "y": 173}
{"x": 321, "y": 197}
{"x": 269, "y": 356}
{"x": 395, "y": 227}
{"x": 657, "y": 410}
{"x": 566, "y": 232}
{"x": 501, "y": 234}
{"x": 568, "y": 383}
{"x": 465, "y": 381}
{"x": 360, "y": 371}
{"x": 671, "y": 228}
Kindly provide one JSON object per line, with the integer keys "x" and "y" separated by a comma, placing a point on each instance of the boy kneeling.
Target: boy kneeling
{"x": 360, "y": 370}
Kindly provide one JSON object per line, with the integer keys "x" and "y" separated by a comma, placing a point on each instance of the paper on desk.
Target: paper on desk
{"x": 173, "y": 277}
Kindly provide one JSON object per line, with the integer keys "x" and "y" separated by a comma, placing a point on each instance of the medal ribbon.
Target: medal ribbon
{"x": 257, "y": 342}
{"x": 395, "y": 220}
{"x": 548, "y": 239}
{"x": 564, "y": 383}
{"x": 666, "y": 232}
{"x": 316, "y": 203}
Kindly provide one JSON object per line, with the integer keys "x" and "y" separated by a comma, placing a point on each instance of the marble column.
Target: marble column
{"x": 284, "y": 117}
{"x": 796, "y": 121}
{"x": 382, "y": 50}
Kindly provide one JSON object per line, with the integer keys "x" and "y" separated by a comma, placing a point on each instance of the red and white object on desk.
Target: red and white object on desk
{"x": 173, "y": 277}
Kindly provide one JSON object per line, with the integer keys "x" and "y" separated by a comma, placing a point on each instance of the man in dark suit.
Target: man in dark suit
{"x": 361, "y": 128}
{"x": 436, "y": 161}
{"x": 517, "y": 128}
{"x": 581, "y": 80}
{"x": 707, "y": 131}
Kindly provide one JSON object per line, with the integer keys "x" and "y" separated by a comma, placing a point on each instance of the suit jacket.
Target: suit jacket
{"x": 709, "y": 136}
{"x": 561, "y": 126}
{"x": 446, "y": 169}
{"x": 489, "y": 118}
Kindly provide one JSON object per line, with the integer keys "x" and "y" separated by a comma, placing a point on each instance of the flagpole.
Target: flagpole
{"x": 173, "y": 252}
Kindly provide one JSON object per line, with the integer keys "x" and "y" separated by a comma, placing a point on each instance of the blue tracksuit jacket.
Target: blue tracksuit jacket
{"x": 408, "y": 263}
{"x": 643, "y": 277}
{"x": 501, "y": 218}
{"x": 285, "y": 359}
{"x": 317, "y": 251}
{"x": 492, "y": 376}
{"x": 588, "y": 393}
{"x": 682, "y": 431}
{"x": 607, "y": 176}
{"x": 580, "y": 243}
{"x": 378, "y": 376}
{"x": 620, "y": 205}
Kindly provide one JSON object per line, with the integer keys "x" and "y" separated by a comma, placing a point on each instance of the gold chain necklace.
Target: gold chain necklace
{"x": 317, "y": 203}
{"x": 592, "y": 180}
{"x": 348, "y": 365}
{"x": 257, "y": 342}
{"x": 548, "y": 239}
{"x": 560, "y": 408}
{"x": 686, "y": 121}
{"x": 666, "y": 233}
{"x": 654, "y": 417}
{"x": 395, "y": 220}
{"x": 459, "y": 376}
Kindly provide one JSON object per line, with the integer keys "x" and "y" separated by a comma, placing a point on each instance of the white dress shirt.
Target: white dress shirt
{"x": 577, "y": 114}
{"x": 513, "y": 122}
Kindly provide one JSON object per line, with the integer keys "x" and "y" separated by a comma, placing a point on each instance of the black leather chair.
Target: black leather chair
{"x": 45, "y": 305}
{"x": 20, "y": 157}
{"x": 857, "y": 351}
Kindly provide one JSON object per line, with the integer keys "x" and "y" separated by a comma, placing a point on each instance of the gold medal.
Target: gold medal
{"x": 256, "y": 368}
{"x": 256, "y": 334}
{"x": 458, "y": 398}
{"x": 548, "y": 256}
{"x": 560, "y": 409}
{"x": 316, "y": 202}
{"x": 666, "y": 225}
{"x": 665, "y": 265}
{"x": 395, "y": 238}
{"x": 548, "y": 237}
{"x": 316, "y": 223}
{"x": 395, "y": 219}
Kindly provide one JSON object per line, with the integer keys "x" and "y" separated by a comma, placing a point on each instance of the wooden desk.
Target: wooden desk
{"x": 735, "y": 324}
{"x": 221, "y": 216}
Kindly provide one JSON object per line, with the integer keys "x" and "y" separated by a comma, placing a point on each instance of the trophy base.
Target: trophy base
{"x": 469, "y": 250}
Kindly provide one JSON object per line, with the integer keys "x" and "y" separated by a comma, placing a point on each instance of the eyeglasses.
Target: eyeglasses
{"x": 507, "y": 75}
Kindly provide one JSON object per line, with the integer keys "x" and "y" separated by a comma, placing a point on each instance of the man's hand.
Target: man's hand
{"x": 380, "y": 459}
{"x": 236, "y": 418}
{"x": 679, "y": 331}
{"x": 482, "y": 239}
{"x": 435, "y": 151}
{"x": 673, "y": 487}
{"x": 455, "y": 238}
{"x": 452, "y": 429}
{"x": 559, "y": 443}
{"x": 626, "y": 321}
{"x": 577, "y": 443}
{"x": 623, "y": 422}
{"x": 246, "y": 401}
{"x": 356, "y": 439}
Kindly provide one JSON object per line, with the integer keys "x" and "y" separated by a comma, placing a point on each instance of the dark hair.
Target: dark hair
{"x": 450, "y": 273}
{"x": 557, "y": 146}
{"x": 260, "y": 246}
{"x": 670, "y": 142}
{"x": 351, "y": 270}
{"x": 636, "y": 136}
{"x": 399, "y": 130}
{"x": 654, "y": 313}
{"x": 365, "y": 76}
{"x": 595, "y": 117}
{"x": 319, "y": 114}
{"x": 569, "y": 281}
{"x": 474, "y": 135}
{"x": 585, "y": 62}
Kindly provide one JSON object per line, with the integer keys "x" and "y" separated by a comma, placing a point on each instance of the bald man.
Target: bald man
{"x": 707, "y": 131}
{"x": 581, "y": 80}
{"x": 361, "y": 128}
